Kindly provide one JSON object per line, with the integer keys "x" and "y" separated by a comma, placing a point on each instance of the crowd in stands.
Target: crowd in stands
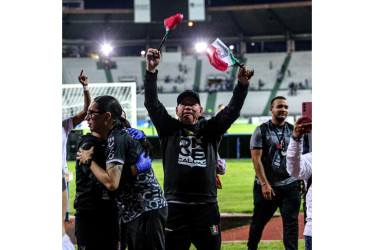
{"x": 293, "y": 87}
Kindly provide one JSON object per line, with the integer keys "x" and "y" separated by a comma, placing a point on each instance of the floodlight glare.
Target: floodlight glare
{"x": 142, "y": 52}
{"x": 252, "y": 43}
{"x": 106, "y": 49}
{"x": 190, "y": 23}
{"x": 200, "y": 47}
{"x": 231, "y": 47}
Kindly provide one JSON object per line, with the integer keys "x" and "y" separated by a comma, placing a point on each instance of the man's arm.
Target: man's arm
{"x": 155, "y": 108}
{"x": 223, "y": 120}
{"x": 112, "y": 175}
{"x": 78, "y": 118}
{"x": 298, "y": 165}
{"x": 267, "y": 190}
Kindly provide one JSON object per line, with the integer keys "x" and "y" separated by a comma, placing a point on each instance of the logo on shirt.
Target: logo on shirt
{"x": 191, "y": 152}
{"x": 111, "y": 148}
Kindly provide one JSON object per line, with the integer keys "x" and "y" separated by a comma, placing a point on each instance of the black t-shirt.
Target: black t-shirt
{"x": 272, "y": 159}
{"x": 90, "y": 193}
{"x": 141, "y": 193}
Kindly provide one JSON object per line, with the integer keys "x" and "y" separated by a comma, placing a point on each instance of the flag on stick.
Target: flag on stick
{"x": 170, "y": 24}
{"x": 220, "y": 56}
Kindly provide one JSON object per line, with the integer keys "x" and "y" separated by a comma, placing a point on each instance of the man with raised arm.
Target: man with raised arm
{"x": 69, "y": 124}
{"x": 189, "y": 152}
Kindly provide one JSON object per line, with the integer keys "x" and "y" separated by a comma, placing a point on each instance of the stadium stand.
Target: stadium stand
{"x": 128, "y": 69}
{"x": 300, "y": 67}
{"x": 178, "y": 80}
{"x": 261, "y": 63}
{"x": 71, "y": 68}
{"x": 209, "y": 72}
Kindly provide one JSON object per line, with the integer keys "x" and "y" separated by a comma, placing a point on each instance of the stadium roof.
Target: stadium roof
{"x": 277, "y": 21}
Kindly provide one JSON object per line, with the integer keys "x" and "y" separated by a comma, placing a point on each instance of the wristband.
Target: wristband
{"x": 263, "y": 184}
{"x": 296, "y": 139}
{"x": 85, "y": 88}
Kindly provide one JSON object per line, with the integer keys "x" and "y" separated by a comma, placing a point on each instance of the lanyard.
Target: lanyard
{"x": 281, "y": 140}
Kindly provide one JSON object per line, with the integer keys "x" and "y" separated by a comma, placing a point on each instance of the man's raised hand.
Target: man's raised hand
{"x": 244, "y": 74}
{"x": 83, "y": 79}
{"x": 153, "y": 59}
{"x": 301, "y": 128}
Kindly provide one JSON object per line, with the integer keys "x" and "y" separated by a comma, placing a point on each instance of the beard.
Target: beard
{"x": 280, "y": 119}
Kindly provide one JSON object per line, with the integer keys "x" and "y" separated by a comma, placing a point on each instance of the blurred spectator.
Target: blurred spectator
{"x": 279, "y": 75}
{"x": 292, "y": 89}
{"x": 260, "y": 84}
{"x": 179, "y": 79}
{"x": 160, "y": 89}
{"x": 167, "y": 79}
{"x": 270, "y": 65}
{"x": 306, "y": 83}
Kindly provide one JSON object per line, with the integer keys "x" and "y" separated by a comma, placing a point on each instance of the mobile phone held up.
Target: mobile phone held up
{"x": 306, "y": 110}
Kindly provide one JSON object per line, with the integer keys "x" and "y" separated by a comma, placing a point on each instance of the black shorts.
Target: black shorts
{"x": 196, "y": 224}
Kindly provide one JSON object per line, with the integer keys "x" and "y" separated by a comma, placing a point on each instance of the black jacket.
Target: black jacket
{"x": 190, "y": 152}
{"x": 90, "y": 193}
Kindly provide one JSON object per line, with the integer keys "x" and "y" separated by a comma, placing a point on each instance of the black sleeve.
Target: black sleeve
{"x": 157, "y": 112}
{"x": 117, "y": 146}
{"x": 223, "y": 120}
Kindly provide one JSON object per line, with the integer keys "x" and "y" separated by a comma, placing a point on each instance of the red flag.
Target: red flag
{"x": 220, "y": 56}
{"x": 215, "y": 61}
{"x": 173, "y": 21}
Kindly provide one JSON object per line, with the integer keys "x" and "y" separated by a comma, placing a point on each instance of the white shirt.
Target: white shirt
{"x": 300, "y": 167}
{"x": 67, "y": 126}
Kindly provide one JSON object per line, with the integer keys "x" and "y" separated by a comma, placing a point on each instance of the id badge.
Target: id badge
{"x": 277, "y": 160}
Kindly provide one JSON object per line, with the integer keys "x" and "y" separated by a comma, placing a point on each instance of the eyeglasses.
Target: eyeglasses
{"x": 91, "y": 112}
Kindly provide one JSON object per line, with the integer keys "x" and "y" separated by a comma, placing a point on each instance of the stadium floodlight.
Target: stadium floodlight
{"x": 190, "y": 23}
{"x": 142, "y": 52}
{"x": 231, "y": 47}
{"x": 200, "y": 47}
{"x": 106, "y": 49}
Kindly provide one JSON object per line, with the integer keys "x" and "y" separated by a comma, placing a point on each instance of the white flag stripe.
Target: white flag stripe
{"x": 223, "y": 52}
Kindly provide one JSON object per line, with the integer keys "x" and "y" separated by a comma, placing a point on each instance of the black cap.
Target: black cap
{"x": 188, "y": 93}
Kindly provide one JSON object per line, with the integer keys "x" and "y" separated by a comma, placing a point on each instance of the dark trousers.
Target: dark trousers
{"x": 308, "y": 242}
{"x": 122, "y": 239}
{"x": 96, "y": 230}
{"x": 147, "y": 232}
{"x": 196, "y": 224}
{"x": 288, "y": 199}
